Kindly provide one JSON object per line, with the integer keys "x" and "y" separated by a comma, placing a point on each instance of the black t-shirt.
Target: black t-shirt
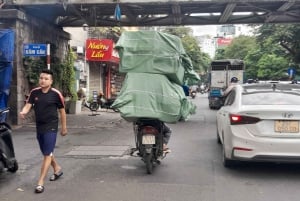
{"x": 45, "y": 107}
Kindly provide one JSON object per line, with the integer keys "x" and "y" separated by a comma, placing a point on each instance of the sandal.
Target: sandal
{"x": 167, "y": 150}
{"x": 56, "y": 176}
{"x": 39, "y": 189}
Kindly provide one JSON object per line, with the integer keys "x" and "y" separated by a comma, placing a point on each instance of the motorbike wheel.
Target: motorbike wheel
{"x": 1, "y": 167}
{"x": 115, "y": 110}
{"x": 14, "y": 168}
{"x": 94, "y": 106}
{"x": 149, "y": 162}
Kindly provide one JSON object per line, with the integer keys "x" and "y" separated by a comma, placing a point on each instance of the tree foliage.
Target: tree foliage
{"x": 271, "y": 64}
{"x": 240, "y": 47}
{"x": 34, "y": 66}
{"x": 200, "y": 60}
{"x": 285, "y": 35}
{"x": 269, "y": 53}
{"x": 68, "y": 76}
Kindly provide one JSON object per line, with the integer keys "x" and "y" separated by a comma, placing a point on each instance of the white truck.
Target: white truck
{"x": 220, "y": 74}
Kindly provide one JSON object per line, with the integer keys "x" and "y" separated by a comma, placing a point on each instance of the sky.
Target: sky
{"x": 212, "y": 30}
{"x": 205, "y": 30}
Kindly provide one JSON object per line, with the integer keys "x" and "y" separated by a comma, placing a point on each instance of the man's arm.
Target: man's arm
{"x": 226, "y": 92}
{"x": 25, "y": 110}
{"x": 63, "y": 120}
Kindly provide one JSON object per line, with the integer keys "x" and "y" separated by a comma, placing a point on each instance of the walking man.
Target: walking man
{"x": 46, "y": 101}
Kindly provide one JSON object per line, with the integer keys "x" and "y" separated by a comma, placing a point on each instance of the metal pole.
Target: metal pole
{"x": 48, "y": 56}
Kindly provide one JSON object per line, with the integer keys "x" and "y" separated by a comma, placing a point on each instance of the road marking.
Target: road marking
{"x": 103, "y": 150}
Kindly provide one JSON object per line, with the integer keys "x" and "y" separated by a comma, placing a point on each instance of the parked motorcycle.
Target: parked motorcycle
{"x": 93, "y": 105}
{"x": 98, "y": 101}
{"x": 7, "y": 154}
{"x": 149, "y": 142}
{"x": 106, "y": 103}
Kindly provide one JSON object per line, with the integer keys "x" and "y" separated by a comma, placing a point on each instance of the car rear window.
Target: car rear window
{"x": 271, "y": 98}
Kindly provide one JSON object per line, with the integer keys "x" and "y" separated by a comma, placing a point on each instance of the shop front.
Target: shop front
{"x": 103, "y": 62}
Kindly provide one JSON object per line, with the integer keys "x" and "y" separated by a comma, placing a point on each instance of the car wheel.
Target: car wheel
{"x": 218, "y": 136}
{"x": 228, "y": 163}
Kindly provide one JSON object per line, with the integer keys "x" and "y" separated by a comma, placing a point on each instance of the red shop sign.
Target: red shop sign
{"x": 224, "y": 41}
{"x": 101, "y": 50}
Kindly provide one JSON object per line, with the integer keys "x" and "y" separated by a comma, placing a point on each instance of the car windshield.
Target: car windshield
{"x": 271, "y": 98}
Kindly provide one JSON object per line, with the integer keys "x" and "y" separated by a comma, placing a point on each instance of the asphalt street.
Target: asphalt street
{"x": 89, "y": 136}
{"x": 97, "y": 166}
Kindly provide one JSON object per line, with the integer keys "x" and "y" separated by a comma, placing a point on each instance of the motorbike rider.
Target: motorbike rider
{"x": 166, "y": 137}
{"x": 186, "y": 89}
{"x": 193, "y": 88}
{"x": 233, "y": 81}
{"x": 166, "y": 131}
{"x": 202, "y": 87}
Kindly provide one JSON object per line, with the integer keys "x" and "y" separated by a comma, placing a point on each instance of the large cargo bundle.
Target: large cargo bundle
{"x": 156, "y": 98}
{"x": 154, "y": 52}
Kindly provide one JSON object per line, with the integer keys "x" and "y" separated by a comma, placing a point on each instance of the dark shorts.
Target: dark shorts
{"x": 47, "y": 142}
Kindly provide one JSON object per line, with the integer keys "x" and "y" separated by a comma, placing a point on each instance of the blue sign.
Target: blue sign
{"x": 35, "y": 50}
{"x": 291, "y": 72}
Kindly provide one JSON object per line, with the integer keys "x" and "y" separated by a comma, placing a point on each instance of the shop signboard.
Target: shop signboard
{"x": 35, "y": 50}
{"x": 101, "y": 50}
{"x": 224, "y": 41}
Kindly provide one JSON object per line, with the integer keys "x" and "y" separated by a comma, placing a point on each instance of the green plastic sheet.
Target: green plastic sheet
{"x": 154, "y": 52}
{"x": 146, "y": 95}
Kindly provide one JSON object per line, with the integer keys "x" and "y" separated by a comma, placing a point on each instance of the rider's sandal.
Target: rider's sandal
{"x": 167, "y": 150}
{"x": 39, "y": 189}
{"x": 56, "y": 176}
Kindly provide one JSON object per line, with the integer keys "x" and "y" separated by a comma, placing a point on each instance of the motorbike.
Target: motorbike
{"x": 215, "y": 98}
{"x": 149, "y": 142}
{"x": 106, "y": 103}
{"x": 203, "y": 89}
{"x": 193, "y": 94}
{"x": 7, "y": 154}
{"x": 98, "y": 101}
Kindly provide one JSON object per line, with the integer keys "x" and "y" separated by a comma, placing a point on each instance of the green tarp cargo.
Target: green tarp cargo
{"x": 154, "y": 52}
{"x": 145, "y": 95}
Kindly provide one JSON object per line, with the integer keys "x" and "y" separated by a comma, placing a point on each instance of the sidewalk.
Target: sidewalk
{"x": 106, "y": 128}
{"x": 85, "y": 119}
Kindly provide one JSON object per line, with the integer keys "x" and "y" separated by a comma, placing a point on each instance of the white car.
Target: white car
{"x": 260, "y": 122}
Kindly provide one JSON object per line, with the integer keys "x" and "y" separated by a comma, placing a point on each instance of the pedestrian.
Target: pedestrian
{"x": 46, "y": 101}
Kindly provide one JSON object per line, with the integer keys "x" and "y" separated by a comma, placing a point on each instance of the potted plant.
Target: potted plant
{"x": 73, "y": 105}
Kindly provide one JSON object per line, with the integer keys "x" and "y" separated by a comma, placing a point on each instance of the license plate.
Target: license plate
{"x": 148, "y": 139}
{"x": 286, "y": 126}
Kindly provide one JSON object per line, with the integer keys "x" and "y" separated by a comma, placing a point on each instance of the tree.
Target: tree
{"x": 251, "y": 63}
{"x": 113, "y": 33}
{"x": 200, "y": 60}
{"x": 240, "y": 47}
{"x": 270, "y": 66}
{"x": 287, "y": 36}
{"x": 68, "y": 76}
{"x": 244, "y": 48}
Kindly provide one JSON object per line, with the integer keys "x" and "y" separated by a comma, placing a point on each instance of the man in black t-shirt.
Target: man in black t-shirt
{"x": 46, "y": 101}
